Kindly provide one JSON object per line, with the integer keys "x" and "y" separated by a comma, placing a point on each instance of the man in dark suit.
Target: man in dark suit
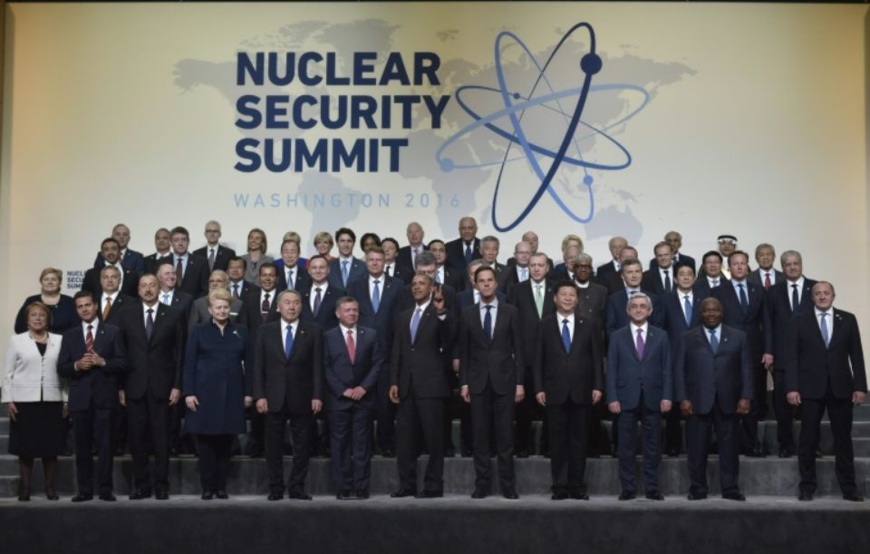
{"x": 564, "y": 270}
{"x": 191, "y": 271}
{"x": 169, "y": 294}
{"x": 426, "y": 264}
{"x": 466, "y": 248}
{"x": 713, "y": 383}
{"x": 111, "y": 301}
{"x": 491, "y": 371}
{"x": 489, "y": 249}
{"x": 345, "y": 269}
{"x": 110, "y": 251}
{"x": 407, "y": 255}
{"x": 199, "y": 313}
{"x": 825, "y": 371}
{"x": 163, "y": 247}
{"x": 154, "y": 340}
{"x": 569, "y": 380}
{"x": 238, "y": 286}
{"x": 375, "y": 296}
{"x": 419, "y": 386}
{"x": 681, "y": 313}
{"x": 392, "y": 269}
{"x": 318, "y": 302}
{"x": 445, "y": 275}
{"x": 766, "y": 275}
{"x": 290, "y": 274}
{"x": 534, "y": 301}
{"x": 615, "y": 245}
{"x": 592, "y": 297}
{"x": 91, "y": 357}
{"x": 660, "y": 278}
{"x": 744, "y": 307}
{"x": 616, "y": 316}
{"x": 675, "y": 241}
{"x": 789, "y": 297}
{"x": 352, "y": 360}
{"x": 711, "y": 275}
{"x": 260, "y": 307}
{"x": 130, "y": 259}
{"x": 288, "y": 383}
{"x": 612, "y": 280}
{"x": 639, "y": 387}
{"x": 517, "y": 272}
{"x": 214, "y": 252}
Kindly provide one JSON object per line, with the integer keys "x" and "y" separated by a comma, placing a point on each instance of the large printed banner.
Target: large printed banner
{"x": 594, "y": 119}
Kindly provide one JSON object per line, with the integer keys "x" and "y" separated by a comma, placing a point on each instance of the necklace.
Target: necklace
{"x": 43, "y": 339}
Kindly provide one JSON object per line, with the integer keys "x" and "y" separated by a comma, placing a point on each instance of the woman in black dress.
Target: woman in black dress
{"x": 35, "y": 399}
{"x": 216, "y": 391}
{"x": 61, "y": 307}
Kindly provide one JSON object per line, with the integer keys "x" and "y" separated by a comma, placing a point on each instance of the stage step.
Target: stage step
{"x": 758, "y": 476}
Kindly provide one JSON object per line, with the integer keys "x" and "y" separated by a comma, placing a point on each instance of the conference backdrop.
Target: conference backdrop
{"x": 593, "y": 119}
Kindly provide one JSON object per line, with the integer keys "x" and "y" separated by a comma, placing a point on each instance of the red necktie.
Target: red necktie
{"x": 766, "y": 281}
{"x": 351, "y": 346}
{"x": 89, "y": 339}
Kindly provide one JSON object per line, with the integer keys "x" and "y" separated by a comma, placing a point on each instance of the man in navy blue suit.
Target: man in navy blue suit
{"x": 130, "y": 259}
{"x": 375, "y": 296}
{"x": 616, "y": 316}
{"x": 825, "y": 372}
{"x": 713, "y": 383}
{"x": 352, "y": 361}
{"x": 91, "y": 356}
{"x": 790, "y": 297}
{"x": 466, "y": 248}
{"x": 639, "y": 386}
{"x": 345, "y": 269}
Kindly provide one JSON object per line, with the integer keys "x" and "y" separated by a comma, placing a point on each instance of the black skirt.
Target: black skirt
{"x": 38, "y": 430}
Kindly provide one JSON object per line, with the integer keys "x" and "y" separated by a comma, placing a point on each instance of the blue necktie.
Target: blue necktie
{"x": 744, "y": 302}
{"x": 825, "y": 336}
{"x": 344, "y": 272}
{"x": 487, "y": 324}
{"x": 317, "y": 301}
{"x": 687, "y": 306}
{"x": 149, "y": 324}
{"x": 288, "y": 342}
{"x": 566, "y": 335}
{"x": 524, "y": 274}
{"x": 714, "y": 342}
{"x": 289, "y": 279}
{"x": 376, "y": 297}
{"x": 794, "y": 299}
{"x": 415, "y": 324}
{"x": 467, "y": 253}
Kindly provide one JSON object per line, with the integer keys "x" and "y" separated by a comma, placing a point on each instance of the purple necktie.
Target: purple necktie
{"x": 640, "y": 343}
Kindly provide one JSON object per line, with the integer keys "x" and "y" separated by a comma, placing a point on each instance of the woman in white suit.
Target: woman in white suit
{"x": 35, "y": 399}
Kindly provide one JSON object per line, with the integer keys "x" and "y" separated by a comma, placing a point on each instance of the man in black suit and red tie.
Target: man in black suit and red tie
{"x": 288, "y": 385}
{"x": 713, "y": 383}
{"x": 491, "y": 372}
{"x": 352, "y": 360}
{"x": 569, "y": 380}
{"x": 766, "y": 275}
{"x": 825, "y": 371}
{"x": 92, "y": 356}
{"x": 422, "y": 347}
{"x": 154, "y": 339}
{"x": 238, "y": 287}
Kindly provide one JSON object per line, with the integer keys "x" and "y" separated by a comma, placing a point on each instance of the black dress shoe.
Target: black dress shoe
{"x": 734, "y": 495}
{"x": 561, "y": 495}
{"x": 654, "y": 495}
{"x": 627, "y": 495}
{"x": 577, "y": 495}
{"x": 786, "y": 451}
{"x": 805, "y": 496}
{"x": 139, "y": 494}
{"x": 299, "y": 495}
{"x": 510, "y": 494}
{"x": 80, "y": 497}
{"x": 430, "y": 494}
{"x": 479, "y": 492}
{"x": 697, "y": 496}
{"x": 107, "y": 497}
{"x": 853, "y": 497}
{"x": 161, "y": 495}
{"x": 221, "y": 495}
{"x": 673, "y": 452}
{"x": 207, "y": 495}
{"x": 362, "y": 494}
{"x": 275, "y": 496}
{"x": 343, "y": 494}
{"x": 50, "y": 494}
{"x": 403, "y": 493}
{"x": 24, "y": 496}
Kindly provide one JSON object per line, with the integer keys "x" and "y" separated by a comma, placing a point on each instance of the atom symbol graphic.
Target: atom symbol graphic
{"x": 541, "y": 94}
